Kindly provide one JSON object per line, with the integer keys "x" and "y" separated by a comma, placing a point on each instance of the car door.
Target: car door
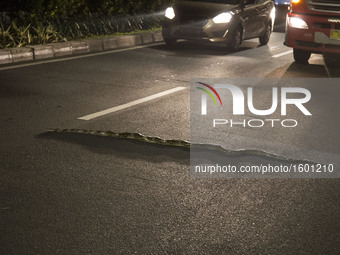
{"x": 262, "y": 12}
{"x": 250, "y": 19}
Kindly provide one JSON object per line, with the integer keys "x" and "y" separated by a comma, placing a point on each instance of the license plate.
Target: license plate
{"x": 335, "y": 34}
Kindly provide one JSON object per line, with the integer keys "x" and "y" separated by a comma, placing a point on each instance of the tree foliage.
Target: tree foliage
{"x": 25, "y": 22}
{"x": 19, "y": 9}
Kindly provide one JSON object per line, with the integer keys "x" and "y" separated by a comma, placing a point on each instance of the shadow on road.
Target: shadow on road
{"x": 312, "y": 70}
{"x": 329, "y": 69}
{"x": 152, "y": 152}
{"x": 332, "y": 63}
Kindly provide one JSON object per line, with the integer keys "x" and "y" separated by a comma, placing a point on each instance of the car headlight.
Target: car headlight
{"x": 170, "y": 13}
{"x": 224, "y": 17}
{"x": 297, "y": 23}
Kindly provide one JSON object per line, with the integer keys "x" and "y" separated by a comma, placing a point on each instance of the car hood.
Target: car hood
{"x": 203, "y": 10}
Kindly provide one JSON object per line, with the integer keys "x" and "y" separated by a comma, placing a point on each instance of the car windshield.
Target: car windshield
{"x": 217, "y": 1}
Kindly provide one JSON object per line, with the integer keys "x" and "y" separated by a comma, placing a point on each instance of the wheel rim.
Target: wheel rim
{"x": 268, "y": 31}
{"x": 237, "y": 39}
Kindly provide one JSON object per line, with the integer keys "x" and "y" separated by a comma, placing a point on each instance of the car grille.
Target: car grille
{"x": 322, "y": 25}
{"x": 324, "y": 5}
{"x": 190, "y": 32}
{"x": 193, "y": 20}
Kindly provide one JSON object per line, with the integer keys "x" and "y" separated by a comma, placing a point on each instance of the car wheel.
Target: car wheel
{"x": 236, "y": 40}
{"x": 170, "y": 41}
{"x": 301, "y": 56}
{"x": 264, "y": 39}
{"x": 332, "y": 59}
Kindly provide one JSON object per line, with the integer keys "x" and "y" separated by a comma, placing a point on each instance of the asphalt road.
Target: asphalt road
{"x": 72, "y": 193}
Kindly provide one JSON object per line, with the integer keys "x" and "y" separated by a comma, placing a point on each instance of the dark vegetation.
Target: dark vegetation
{"x": 25, "y": 22}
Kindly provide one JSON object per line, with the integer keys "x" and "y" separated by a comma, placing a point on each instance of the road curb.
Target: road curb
{"x": 5, "y": 57}
{"x": 36, "y": 52}
{"x": 21, "y": 54}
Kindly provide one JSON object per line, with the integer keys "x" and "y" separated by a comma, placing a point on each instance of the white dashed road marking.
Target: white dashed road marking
{"x": 282, "y": 54}
{"x": 133, "y": 103}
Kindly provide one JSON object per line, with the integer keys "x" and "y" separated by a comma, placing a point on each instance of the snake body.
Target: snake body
{"x": 179, "y": 143}
{"x": 129, "y": 136}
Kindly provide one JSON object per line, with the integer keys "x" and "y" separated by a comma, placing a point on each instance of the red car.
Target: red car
{"x": 313, "y": 26}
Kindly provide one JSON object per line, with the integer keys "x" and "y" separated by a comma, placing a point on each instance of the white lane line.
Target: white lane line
{"x": 282, "y": 54}
{"x": 133, "y": 103}
{"x": 78, "y": 57}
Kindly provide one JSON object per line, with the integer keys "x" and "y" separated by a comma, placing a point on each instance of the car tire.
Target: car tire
{"x": 236, "y": 40}
{"x": 170, "y": 41}
{"x": 332, "y": 59}
{"x": 264, "y": 39}
{"x": 301, "y": 56}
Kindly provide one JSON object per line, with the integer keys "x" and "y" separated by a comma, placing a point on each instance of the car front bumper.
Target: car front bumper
{"x": 205, "y": 30}
{"x": 317, "y": 38}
